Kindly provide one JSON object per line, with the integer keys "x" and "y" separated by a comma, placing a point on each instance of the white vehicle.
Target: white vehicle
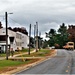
{"x": 53, "y": 47}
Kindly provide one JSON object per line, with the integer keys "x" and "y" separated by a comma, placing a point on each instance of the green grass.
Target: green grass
{"x": 10, "y": 63}
{"x": 2, "y": 55}
{"x": 22, "y": 51}
{"x": 44, "y": 50}
{"x": 40, "y": 53}
{"x": 16, "y": 52}
{"x": 5, "y": 63}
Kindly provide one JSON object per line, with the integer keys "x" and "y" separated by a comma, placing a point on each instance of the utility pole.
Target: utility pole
{"x": 36, "y": 36}
{"x": 39, "y": 40}
{"x": 29, "y": 38}
{"x": 6, "y": 21}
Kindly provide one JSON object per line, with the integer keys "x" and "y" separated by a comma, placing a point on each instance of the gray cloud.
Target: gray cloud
{"x": 49, "y": 13}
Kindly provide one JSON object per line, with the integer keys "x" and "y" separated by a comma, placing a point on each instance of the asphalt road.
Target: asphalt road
{"x": 62, "y": 63}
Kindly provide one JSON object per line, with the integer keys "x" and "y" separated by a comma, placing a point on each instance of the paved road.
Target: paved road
{"x": 63, "y": 63}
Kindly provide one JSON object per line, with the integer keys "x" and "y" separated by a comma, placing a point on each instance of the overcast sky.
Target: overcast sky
{"x": 48, "y": 13}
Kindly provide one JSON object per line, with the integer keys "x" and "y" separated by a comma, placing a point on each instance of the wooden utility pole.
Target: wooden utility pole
{"x": 36, "y": 36}
{"x": 6, "y": 21}
{"x": 39, "y": 40}
{"x": 29, "y": 38}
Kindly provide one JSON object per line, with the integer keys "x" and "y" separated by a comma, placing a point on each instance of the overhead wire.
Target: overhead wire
{"x": 14, "y": 21}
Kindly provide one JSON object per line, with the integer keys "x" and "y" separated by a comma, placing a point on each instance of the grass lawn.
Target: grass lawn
{"x": 22, "y": 51}
{"x": 2, "y": 54}
{"x": 6, "y": 65}
{"x": 16, "y": 52}
{"x": 41, "y": 53}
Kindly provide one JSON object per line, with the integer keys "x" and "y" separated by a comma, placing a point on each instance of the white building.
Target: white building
{"x": 24, "y": 40}
{"x": 16, "y": 40}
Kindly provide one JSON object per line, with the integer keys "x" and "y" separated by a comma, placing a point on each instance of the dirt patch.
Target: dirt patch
{"x": 7, "y": 69}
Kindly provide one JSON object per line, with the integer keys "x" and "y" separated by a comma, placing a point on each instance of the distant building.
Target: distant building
{"x": 16, "y": 40}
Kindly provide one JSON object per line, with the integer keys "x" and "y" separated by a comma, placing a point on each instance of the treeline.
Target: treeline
{"x": 61, "y": 37}
{"x": 22, "y": 30}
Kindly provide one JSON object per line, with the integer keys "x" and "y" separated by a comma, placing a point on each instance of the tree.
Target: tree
{"x": 9, "y": 28}
{"x": 1, "y": 25}
{"x": 45, "y": 44}
{"x": 58, "y": 39}
{"x": 51, "y": 35}
{"x": 63, "y": 35}
{"x": 22, "y": 30}
{"x": 52, "y": 32}
{"x": 62, "y": 29}
{"x": 71, "y": 32}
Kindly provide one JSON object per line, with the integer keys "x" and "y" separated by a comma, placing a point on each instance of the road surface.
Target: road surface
{"x": 62, "y": 63}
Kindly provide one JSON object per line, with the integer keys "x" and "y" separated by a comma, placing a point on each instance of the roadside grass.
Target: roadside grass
{"x": 41, "y": 53}
{"x": 22, "y": 51}
{"x": 7, "y": 64}
{"x": 16, "y": 52}
{"x": 2, "y": 54}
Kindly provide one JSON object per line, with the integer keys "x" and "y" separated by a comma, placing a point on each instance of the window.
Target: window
{"x": 18, "y": 36}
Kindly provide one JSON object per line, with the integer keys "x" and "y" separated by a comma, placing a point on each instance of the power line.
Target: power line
{"x": 14, "y": 21}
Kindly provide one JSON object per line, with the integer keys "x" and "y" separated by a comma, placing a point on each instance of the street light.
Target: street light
{"x": 6, "y": 23}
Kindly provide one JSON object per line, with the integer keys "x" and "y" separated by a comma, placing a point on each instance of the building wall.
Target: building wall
{"x": 10, "y": 34}
{"x": 20, "y": 39}
{"x": 25, "y": 41}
